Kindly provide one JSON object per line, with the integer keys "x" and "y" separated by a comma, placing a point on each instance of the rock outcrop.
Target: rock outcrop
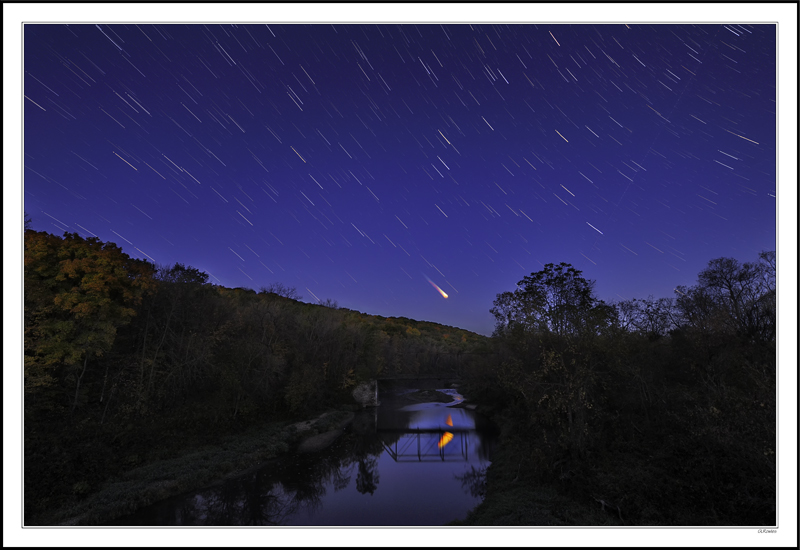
{"x": 331, "y": 425}
{"x": 318, "y": 442}
{"x": 366, "y": 394}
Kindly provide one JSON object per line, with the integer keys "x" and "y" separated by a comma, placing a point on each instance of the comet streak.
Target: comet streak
{"x": 442, "y": 292}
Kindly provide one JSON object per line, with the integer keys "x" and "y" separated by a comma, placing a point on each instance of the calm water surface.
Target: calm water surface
{"x": 400, "y": 464}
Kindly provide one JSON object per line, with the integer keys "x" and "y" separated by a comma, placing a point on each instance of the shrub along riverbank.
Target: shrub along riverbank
{"x": 516, "y": 496}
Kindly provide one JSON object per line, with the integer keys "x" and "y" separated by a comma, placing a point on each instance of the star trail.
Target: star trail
{"x": 350, "y": 160}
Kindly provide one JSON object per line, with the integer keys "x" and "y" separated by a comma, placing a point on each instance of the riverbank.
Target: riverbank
{"x": 513, "y": 500}
{"x": 516, "y": 497}
{"x": 197, "y": 468}
{"x": 620, "y": 485}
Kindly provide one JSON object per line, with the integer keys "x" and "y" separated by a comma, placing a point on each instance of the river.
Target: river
{"x": 407, "y": 462}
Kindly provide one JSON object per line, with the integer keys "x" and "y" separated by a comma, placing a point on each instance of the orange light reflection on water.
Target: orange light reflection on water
{"x": 446, "y": 438}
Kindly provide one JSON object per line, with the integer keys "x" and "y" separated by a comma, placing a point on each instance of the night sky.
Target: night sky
{"x": 376, "y": 164}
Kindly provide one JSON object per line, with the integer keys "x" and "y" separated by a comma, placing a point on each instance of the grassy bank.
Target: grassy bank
{"x": 190, "y": 468}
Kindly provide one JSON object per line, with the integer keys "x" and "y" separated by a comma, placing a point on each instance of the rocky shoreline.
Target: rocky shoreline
{"x": 319, "y": 441}
{"x": 427, "y": 396}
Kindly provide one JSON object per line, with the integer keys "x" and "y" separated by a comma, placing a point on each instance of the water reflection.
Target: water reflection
{"x": 340, "y": 485}
{"x": 474, "y": 481}
{"x": 421, "y": 446}
{"x": 368, "y": 476}
{"x": 423, "y": 431}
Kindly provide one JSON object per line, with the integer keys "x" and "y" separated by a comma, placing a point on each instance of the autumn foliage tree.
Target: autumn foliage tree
{"x": 78, "y": 292}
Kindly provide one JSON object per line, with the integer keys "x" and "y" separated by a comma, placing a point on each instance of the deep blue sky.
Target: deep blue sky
{"x": 354, "y": 161}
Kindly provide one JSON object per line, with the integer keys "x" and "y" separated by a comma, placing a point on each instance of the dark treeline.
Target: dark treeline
{"x": 663, "y": 409}
{"x": 659, "y": 411}
{"x": 127, "y": 361}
